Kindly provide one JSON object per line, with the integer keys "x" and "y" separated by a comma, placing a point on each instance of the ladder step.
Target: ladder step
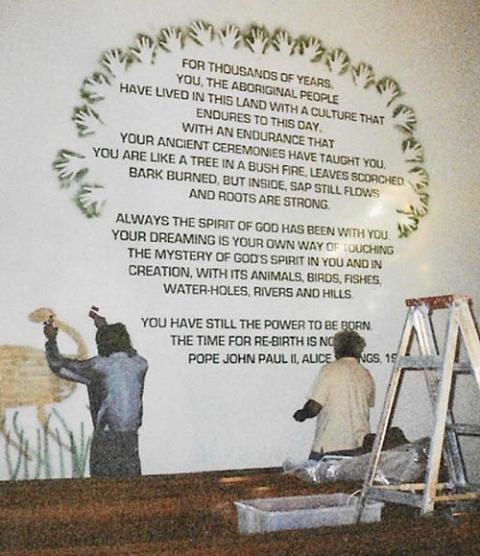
{"x": 457, "y": 497}
{"x": 420, "y": 363}
{"x": 395, "y": 496}
{"x": 385, "y": 494}
{"x": 464, "y": 428}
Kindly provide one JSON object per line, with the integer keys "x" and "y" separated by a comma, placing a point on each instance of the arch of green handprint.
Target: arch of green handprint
{"x": 71, "y": 166}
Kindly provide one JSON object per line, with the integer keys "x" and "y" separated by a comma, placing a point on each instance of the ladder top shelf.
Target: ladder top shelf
{"x": 437, "y": 301}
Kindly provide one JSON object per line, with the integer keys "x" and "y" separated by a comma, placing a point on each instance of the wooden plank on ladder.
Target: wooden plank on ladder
{"x": 386, "y": 413}
{"x": 470, "y": 337}
{"x": 426, "y": 340}
{"x": 438, "y": 436}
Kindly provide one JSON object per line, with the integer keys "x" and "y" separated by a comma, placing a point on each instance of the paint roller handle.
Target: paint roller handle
{"x": 50, "y": 330}
{"x": 97, "y": 319}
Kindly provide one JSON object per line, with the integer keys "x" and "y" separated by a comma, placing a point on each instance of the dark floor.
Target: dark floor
{"x": 193, "y": 514}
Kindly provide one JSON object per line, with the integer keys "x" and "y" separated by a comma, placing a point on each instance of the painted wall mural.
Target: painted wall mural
{"x": 27, "y": 381}
{"x": 236, "y": 165}
{"x": 236, "y": 196}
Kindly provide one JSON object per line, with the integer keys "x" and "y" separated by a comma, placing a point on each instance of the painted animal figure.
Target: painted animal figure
{"x": 25, "y": 378}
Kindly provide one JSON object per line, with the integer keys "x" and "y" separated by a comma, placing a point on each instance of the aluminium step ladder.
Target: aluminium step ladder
{"x": 439, "y": 371}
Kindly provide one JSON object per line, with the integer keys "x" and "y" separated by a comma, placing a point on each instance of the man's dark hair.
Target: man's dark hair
{"x": 348, "y": 343}
{"x": 113, "y": 338}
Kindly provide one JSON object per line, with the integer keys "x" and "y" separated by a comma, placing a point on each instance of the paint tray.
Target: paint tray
{"x": 302, "y": 512}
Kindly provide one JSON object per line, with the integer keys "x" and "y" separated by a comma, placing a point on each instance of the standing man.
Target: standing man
{"x": 341, "y": 396}
{"x": 114, "y": 381}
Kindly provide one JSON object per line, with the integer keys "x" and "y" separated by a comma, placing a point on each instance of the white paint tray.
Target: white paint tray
{"x": 302, "y": 512}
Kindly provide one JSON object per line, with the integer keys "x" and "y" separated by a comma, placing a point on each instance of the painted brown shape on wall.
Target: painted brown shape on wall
{"x": 25, "y": 378}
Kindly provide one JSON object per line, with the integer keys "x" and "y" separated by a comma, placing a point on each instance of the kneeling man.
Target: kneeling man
{"x": 341, "y": 397}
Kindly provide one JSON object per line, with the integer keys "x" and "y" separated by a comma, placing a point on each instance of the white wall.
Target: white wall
{"x": 212, "y": 417}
